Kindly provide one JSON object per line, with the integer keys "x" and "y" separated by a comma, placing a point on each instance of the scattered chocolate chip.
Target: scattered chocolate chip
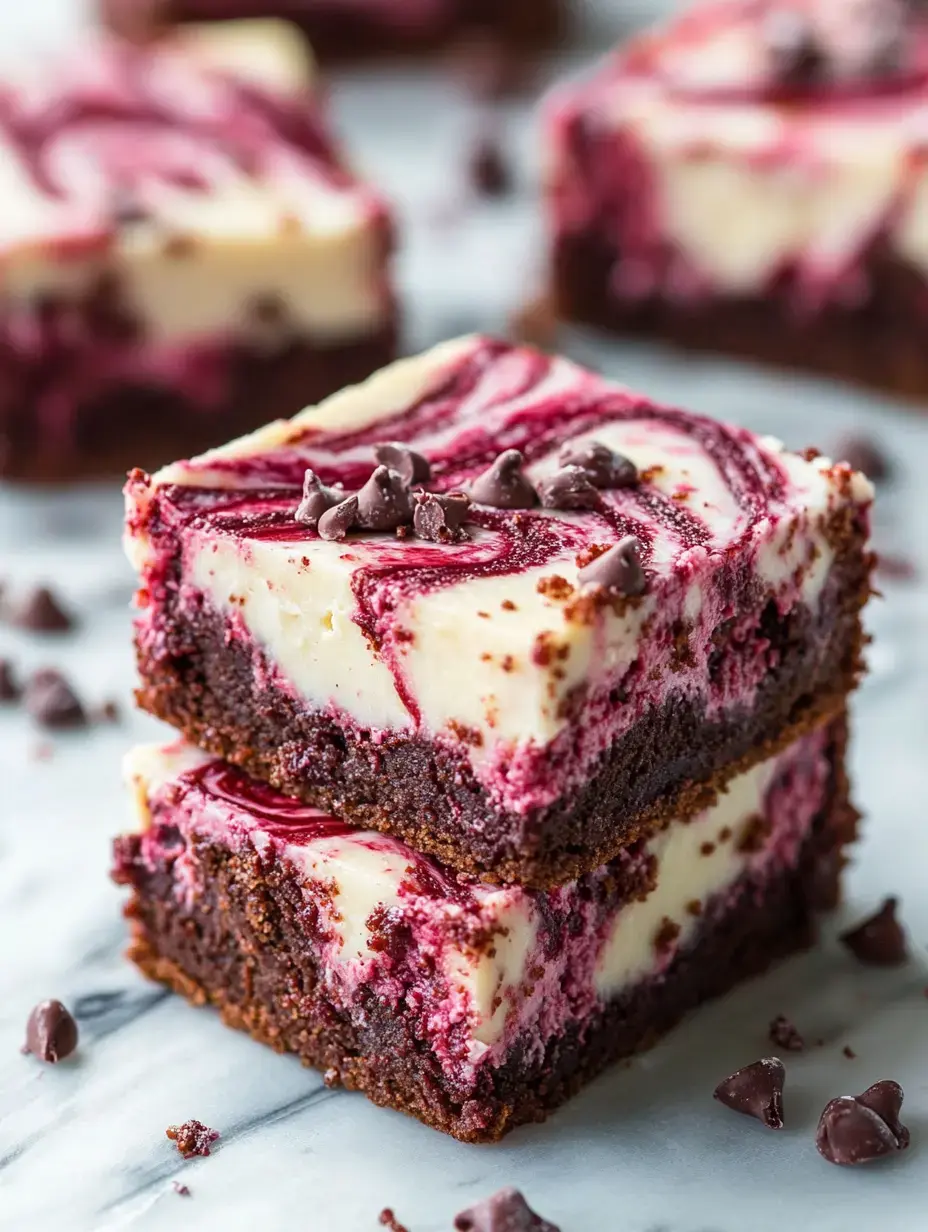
{"x": 602, "y": 466}
{"x": 389, "y": 1220}
{"x": 757, "y": 1091}
{"x": 41, "y": 612}
{"x": 880, "y": 940}
{"x": 506, "y": 1211}
{"x": 569, "y": 488}
{"x": 384, "y": 502}
{"x": 503, "y": 486}
{"x": 858, "y": 1129}
{"x": 862, "y": 453}
{"x": 10, "y": 690}
{"x": 52, "y": 702}
{"x": 440, "y": 518}
{"x": 192, "y": 1138}
{"x": 109, "y": 712}
{"x": 411, "y": 466}
{"x": 796, "y": 59}
{"x": 51, "y": 1032}
{"x": 317, "y": 499}
{"x": 490, "y": 173}
{"x": 849, "y": 1052}
{"x": 617, "y": 569}
{"x": 336, "y": 522}
{"x": 784, "y": 1034}
{"x": 183, "y": 1190}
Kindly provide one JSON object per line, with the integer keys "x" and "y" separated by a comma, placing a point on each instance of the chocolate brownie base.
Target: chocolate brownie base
{"x": 670, "y": 764}
{"x": 237, "y": 945}
{"x": 880, "y": 343}
{"x": 149, "y": 426}
{"x": 347, "y": 33}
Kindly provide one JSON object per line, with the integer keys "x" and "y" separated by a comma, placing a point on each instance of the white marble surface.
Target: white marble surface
{"x": 82, "y": 1145}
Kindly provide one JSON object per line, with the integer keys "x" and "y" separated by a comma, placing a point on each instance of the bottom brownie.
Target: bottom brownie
{"x": 471, "y": 1007}
{"x": 105, "y": 434}
{"x": 878, "y": 343}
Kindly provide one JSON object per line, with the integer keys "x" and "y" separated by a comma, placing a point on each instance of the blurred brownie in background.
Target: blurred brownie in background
{"x": 186, "y": 254}
{"x": 350, "y": 28}
{"x": 753, "y": 178}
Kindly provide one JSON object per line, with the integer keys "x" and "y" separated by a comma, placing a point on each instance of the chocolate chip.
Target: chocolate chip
{"x": 506, "y": 1211}
{"x": 389, "y": 1220}
{"x": 862, "y": 453}
{"x": 569, "y": 488}
{"x": 192, "y": 1138}
{"x": 784, "y": 1034}
{"x": 336, "y": 522}
{"x": 503, "y": 486}
{"x": 412, "y": 466}
{"x": 795, "y": 57}
{"x": 858, "y": 1129}
{"x": 757, "y": 1091}
{"x": 41, "y": 612}
{"x": 602, "y": 466}
{"x": 52, "y": 702}
{"x": 880, "y": 940}
{"x": 617, "y": 569}
{"x": 440, "y": 517}
{"x": 51, "y": 1032}
{"x": 384, "y": 502}
{"x": 317, "y": 499}
{"x": 490, "y": 173}
{"x": 9, "y": 685}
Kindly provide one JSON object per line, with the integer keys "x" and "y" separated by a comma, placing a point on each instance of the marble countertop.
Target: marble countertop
{"x": 82, "y": 1145}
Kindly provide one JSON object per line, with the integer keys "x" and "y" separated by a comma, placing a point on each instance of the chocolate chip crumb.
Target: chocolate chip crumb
{"x": 503, "y": 486}
{"x": 849, "y": 1052}
{"x": 316, "y": 500}
{"x": 109, "y": 712}
{"x": 412, "y": 466}
{"x": 389, "y": 1220}
{"x": 568, "y": 488}
{"x": 602, "y": 466}
{"x": 858, "y": 1129}
{"x": 42, "y": 612}
{"x": 440, "y": 517}
{"x": 192, "y": 1138}
{"x": 756, "y": 1091}
{"x": 336, "y": 522}
{"x": 880, "y": 940}
{"x": 10, "y": 690}
{"x": 619, "y": 568}
{"x": 52, "y": 702}
{"x": 489, "y": 172}
{"x": 51, "y": 1032}
{"x": 506, "y": 1211}
{"x": 784, "y": 1034}
{"x": 383, "y": 503}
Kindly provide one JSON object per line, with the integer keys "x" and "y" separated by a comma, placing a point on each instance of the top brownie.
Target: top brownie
{"x": 556, "y": 617}
{"x": 748, "y": 149}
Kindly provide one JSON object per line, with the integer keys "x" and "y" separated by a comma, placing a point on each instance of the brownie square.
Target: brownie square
{"x": 554, "y": 618}
{"x": 185, "y": 251}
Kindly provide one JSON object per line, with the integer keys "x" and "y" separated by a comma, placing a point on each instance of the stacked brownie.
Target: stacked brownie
{"x": 513, "y": 725}
{"x": 751, "y": 177}
{"x": 185, "y": 252}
